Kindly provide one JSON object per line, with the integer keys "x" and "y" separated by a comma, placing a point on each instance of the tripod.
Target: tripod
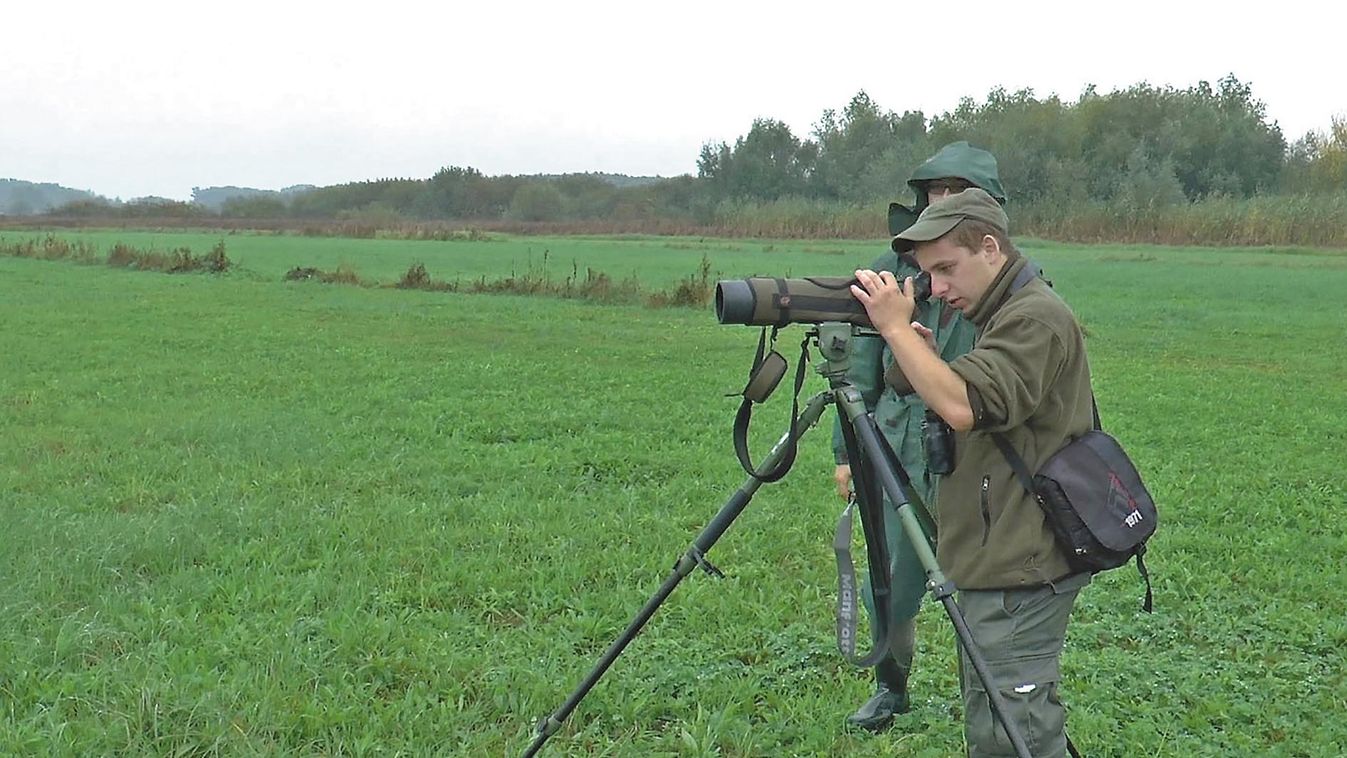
{"x": 878, "y": 470}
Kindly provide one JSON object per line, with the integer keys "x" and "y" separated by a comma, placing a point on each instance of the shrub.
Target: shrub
{"x": 343, "y": 275}
{"x": 415, "y": 278}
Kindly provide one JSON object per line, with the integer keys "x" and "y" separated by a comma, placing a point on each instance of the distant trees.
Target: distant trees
{"x": 21, "y": 198}
{"x": 1214, "y": 141}
{"x": 1142, "y": 144}
{"x": 1318, "y": 161}
{"x": 327, "y": 202}
{"x": 144, "y": 207}
{"x": 464, "y": 193}
{"x": 1136, "y": 149}
{"x": 160, "y": 207}
{"x": 853, "y": 156}
{"x": 765, "y": 164}
{"x": 214, "y": 199}
{"x": 865, "y": 152}
{"x": 254, "y": 206}
{"x": 1038, "y": 144}
{"x": 536, "y": 201}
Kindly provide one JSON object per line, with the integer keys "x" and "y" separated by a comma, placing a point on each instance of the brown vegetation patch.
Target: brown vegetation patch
{"x": 693, "y": 291}
{"x": 1133, "y": 258}
{"x": 176, "y": 261}
{"x": 343, "y": 275}
{"x": 50, "y": 248}
{"x": 416, "y": 278}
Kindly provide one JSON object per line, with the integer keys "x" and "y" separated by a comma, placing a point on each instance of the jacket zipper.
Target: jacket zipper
{"x": 986, "y": 509}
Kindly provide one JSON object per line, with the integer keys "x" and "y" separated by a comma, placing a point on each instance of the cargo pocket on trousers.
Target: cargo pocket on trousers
{"x": 1029, "y": 689}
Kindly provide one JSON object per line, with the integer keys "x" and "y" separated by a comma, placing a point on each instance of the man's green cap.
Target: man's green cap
{"x": 945, "y": 214}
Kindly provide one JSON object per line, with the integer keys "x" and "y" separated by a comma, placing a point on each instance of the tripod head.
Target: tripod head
{"x": 834, "y": 340}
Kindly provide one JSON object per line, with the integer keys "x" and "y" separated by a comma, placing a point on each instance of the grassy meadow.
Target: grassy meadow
{"x": 656, "y": 262}
{"x": 246, "y": 516}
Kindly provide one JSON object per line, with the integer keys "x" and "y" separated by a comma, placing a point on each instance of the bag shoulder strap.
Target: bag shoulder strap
{"x": 1016, "y": 463}
{"x": 1030, "y": 272}
{"x": 1148, "y": 604}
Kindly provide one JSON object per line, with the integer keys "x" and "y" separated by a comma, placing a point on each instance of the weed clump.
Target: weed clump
{"x": 121, "y": 256}
{"x": 216, "y": 262}
{"x": 693, "y": 291}
{"x": 301, "y": 273}
{"x": 179, "y": 260}
{"x": 415, "y": 278}
{"x": 50, "y": 248}
{"x": 343, "y": 275}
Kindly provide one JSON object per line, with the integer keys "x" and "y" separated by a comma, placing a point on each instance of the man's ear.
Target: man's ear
{"x": 991, "y": 248}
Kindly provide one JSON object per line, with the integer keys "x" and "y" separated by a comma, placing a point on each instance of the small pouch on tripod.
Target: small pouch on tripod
{"x": 765, "y": 377}
{"x": 769, "y": 367}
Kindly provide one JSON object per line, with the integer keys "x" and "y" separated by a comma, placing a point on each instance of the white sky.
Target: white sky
{"x": 143, "y": 97}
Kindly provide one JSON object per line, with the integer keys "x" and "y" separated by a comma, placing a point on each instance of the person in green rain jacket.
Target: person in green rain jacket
{"x": 956, "y": 167}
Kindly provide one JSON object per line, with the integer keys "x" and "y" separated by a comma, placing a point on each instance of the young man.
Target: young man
{"x": 1027, "y": 378}
{"x": 956, "y": 167}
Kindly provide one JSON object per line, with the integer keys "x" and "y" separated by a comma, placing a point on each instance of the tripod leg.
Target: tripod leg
{"x": 695, "y": 556}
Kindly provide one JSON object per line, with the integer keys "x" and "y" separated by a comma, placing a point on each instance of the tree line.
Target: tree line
{"x": 1140, "y": 149}
{"x": 1142, "y": 145}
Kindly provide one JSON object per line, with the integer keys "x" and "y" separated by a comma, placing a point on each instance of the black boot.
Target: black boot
{"x": 890, "y": 698}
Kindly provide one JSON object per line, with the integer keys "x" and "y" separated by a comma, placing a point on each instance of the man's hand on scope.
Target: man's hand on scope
{"x": 889, "y": 302}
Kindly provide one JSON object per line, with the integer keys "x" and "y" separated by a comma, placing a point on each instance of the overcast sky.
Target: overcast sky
{"x": 139, "y": 98}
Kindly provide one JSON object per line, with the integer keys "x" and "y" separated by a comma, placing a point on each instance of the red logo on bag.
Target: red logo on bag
{"x": 1121, "y": 501}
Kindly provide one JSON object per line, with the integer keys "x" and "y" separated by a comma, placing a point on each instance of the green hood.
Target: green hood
{"x": 957, "y": 159}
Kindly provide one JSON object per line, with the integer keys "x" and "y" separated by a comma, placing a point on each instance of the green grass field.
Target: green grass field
{"x": 655, "y": 261}
{"x": 251, "y": 517}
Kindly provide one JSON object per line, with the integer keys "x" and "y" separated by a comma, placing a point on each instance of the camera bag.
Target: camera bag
{"x": 1094, "y": 501}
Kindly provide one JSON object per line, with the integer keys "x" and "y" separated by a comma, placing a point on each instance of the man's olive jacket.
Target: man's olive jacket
{"x": 1028, "y": 378}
